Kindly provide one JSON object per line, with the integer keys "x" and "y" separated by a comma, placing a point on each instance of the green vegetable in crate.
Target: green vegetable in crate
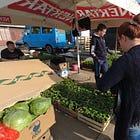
{"x": 21, "y": 105}
{"x": 7, "y": 110}
{"x": 1, "y": 114}
{"x": 17, "y": 119}
{"x": 39, "y": 105}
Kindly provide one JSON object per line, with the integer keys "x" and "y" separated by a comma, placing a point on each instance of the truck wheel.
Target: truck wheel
{"x": 49, "y": 49}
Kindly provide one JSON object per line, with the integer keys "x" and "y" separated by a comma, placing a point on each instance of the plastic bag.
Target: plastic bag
{"x": 7, "y": 133}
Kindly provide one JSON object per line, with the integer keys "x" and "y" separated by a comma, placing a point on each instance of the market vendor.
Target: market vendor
{"x": 11, "y": 53}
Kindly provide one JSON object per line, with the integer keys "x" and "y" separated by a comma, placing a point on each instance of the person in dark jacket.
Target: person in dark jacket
{"x": 11, "y": 53}
{"x": 98, "y": 51}
{"x": 125, "y": 72}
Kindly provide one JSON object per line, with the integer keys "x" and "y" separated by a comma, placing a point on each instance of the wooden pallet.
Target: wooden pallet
{"x": 72, "y": 113}
{"x": 96, "y": 125}
{"x": 84, "y": 43}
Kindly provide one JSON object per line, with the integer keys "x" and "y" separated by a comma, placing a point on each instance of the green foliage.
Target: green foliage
{"x": 90, "y": 102}
{"x": 43, "y": 57}
{"x": 1, "y": 114}
{"x": 88, "y": 64}
{"x": 110, "y": 58}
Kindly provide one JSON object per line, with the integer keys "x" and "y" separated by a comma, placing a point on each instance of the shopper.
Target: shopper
{"x": 11, "y": 53}
{"x": 125, "y": 73}
{"x": 98, "y": 51}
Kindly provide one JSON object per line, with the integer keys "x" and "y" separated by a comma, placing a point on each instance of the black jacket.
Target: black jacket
{"x": 100, "y": 49}
{"x": 6, "y": 54}
{"x": 126, "y": 72}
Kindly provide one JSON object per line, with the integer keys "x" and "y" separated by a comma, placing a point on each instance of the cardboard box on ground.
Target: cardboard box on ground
{"x": 22, "y": 80}
{"x": 60, "y": 66}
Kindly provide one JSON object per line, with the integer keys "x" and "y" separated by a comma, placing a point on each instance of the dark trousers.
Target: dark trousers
{"x": 100, "y": 67}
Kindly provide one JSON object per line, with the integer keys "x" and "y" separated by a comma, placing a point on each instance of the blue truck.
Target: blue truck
{"x": 48, "y": 39}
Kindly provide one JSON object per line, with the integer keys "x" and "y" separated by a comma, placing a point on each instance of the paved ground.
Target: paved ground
{"x": 68, "y": 128}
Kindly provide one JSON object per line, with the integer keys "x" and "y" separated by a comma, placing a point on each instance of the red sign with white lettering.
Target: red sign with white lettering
{"x": 51, "y": 10}
{"x": 5, "y": 19}
{"x": 44, "y": 8}
{"x": 110, "y": 11}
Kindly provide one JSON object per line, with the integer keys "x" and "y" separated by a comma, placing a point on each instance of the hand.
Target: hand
{"x": 114, "y": 95}
{"x": 98, "y": 60}
{"x": 109, "y": 51}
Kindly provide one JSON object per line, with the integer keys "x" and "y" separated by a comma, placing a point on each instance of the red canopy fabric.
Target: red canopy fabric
{"x": 59, "y": 13}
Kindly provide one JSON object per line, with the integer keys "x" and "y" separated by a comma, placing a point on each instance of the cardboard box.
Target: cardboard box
{"x": 64, "y": 65}
{"x": 46, "y": 136}
{"x": 39, "y": 127}
{"x": 60, "y": 66}
{"x": 22, "y": 80}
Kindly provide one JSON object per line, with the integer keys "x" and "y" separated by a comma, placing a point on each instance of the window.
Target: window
{"x": 46, "y": 30}
{"x": 27, "y": 30}
{"x": 35, "y": 30}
